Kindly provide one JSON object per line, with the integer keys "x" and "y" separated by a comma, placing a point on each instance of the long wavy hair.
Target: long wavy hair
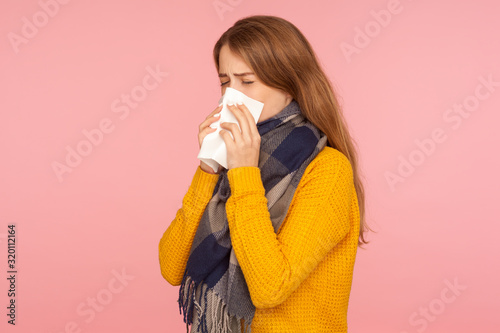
{"x": 282, "y": 58}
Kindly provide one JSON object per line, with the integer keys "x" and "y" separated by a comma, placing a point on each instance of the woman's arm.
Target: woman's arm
{"x": 176, "y": 242}
{"x": 317, "y": 219}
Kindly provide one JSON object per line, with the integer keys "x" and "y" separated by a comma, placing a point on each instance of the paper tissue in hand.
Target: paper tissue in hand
{"x": 213, "y": 148}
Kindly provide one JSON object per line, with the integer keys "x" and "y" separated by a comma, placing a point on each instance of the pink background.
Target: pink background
{"x": 436, "y": 228}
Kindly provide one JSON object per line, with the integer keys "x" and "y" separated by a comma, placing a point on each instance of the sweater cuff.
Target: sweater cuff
{"x": 245, "y": 180}
{"x": 203, "y": 183}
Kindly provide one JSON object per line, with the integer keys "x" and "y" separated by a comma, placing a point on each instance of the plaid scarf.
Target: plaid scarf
{"x": 213, "y": 294}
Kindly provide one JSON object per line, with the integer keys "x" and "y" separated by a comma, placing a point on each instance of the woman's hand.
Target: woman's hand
{"x": 205, "y": 129}
{"x": 243, "y": 149}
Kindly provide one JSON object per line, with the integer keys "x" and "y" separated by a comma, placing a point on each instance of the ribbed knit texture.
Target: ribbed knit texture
{"x": 299, "y": 278}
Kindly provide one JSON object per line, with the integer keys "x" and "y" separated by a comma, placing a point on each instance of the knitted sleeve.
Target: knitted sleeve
{"x": 176, "y": 242}
{"x": 317, "y": 219}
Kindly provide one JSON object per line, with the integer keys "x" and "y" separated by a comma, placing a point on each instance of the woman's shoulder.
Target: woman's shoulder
{"x": 331, "y": 158}
{"x": 329, "y": 164}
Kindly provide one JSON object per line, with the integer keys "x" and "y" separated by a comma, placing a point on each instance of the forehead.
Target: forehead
{"x": 230, "y": 62}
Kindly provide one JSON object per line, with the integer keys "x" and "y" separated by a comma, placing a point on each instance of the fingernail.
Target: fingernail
{"x": 230, "y": 104}
{"x": 240, "y": 103}
{"x": 217, "y": 114}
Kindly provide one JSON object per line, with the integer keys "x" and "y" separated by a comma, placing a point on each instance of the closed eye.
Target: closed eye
{"x": 244, "y": 82}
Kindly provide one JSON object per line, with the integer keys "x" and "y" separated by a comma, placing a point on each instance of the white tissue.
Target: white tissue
{"x": 213, "y": 148}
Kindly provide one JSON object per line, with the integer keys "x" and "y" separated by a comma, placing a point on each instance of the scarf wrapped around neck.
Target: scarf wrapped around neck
{"x": 213, "y": 293}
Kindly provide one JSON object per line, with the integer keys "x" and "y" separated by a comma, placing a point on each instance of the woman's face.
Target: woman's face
{"x": 235, "y": 73}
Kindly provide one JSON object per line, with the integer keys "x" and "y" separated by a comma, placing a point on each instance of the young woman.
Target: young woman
{"x": 269, "y": 244}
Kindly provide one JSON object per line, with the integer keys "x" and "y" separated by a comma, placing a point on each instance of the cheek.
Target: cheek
{"x": 252, "y": 93}
{"x": 256, "y": 94}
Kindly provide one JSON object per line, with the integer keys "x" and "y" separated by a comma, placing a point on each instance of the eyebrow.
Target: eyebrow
{"x": 236, "y": 74}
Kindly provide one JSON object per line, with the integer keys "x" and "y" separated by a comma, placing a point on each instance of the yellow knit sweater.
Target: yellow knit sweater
{"x": 299, "y": 278}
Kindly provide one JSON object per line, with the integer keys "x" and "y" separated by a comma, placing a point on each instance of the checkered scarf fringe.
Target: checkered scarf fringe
{"x": 213, "y": 294}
